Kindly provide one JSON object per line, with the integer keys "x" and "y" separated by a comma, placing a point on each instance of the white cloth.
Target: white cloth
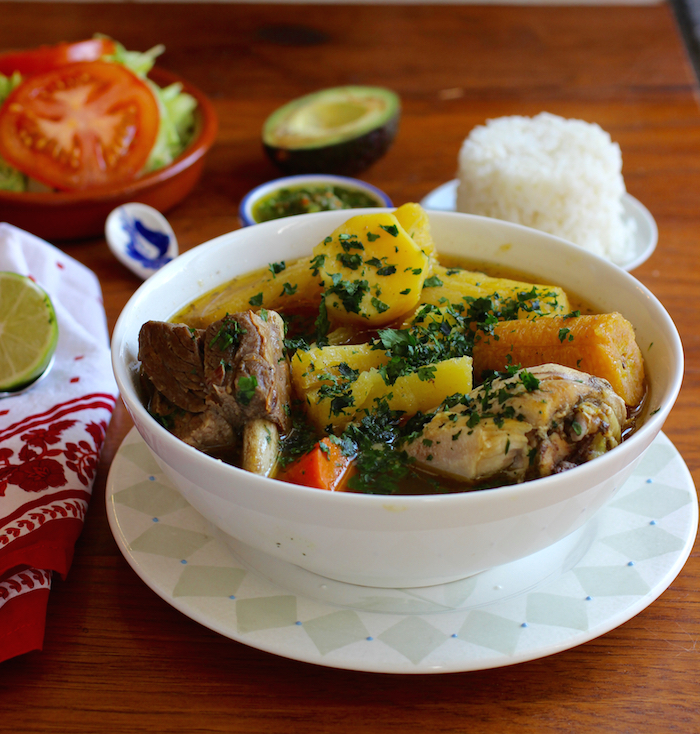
{"x": 50, "y": 436}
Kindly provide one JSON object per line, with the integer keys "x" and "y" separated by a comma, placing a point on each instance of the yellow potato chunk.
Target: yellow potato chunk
{"x": 337, "y": 403}
{"x": 412, "y": 394}
{"x": 414, "y": 219}
{"x": 371, "y": 269}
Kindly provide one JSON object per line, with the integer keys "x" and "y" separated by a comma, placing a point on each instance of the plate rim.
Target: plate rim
{"x": 632, "y": 206}
{"x": 366, "y": 664}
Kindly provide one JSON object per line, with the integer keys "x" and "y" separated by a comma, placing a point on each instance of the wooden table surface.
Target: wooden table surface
{"x": 117, "y": 658}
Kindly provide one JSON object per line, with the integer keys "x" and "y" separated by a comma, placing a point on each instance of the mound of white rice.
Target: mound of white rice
{"x": 556, "y": 175}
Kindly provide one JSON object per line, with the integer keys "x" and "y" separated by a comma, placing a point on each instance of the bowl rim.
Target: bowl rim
{"x": 644, "y": 434}
{"x": 245, "y": 208}
{"x": 205, "y": 135}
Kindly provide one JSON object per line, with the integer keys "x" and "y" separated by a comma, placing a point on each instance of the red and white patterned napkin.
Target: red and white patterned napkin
{"x": 50, "y": 440}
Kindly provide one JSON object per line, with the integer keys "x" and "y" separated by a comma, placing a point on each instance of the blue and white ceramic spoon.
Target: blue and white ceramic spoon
{"x": 141, "y": 238}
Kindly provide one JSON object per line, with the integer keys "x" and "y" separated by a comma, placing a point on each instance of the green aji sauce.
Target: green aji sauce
{"x": 289, "y": 201}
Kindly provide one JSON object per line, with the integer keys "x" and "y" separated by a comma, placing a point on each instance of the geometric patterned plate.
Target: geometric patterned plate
{"x": 576, "y": 590}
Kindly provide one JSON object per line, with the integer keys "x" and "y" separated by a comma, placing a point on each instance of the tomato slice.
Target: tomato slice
{"x": 79, "y": 126}
{"x": 47, "y": 58}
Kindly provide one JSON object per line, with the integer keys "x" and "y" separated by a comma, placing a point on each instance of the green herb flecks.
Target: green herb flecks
{"x": 349, "y": 292}
{"x": 245, "y": 389}
{"x": 228, "y": 334}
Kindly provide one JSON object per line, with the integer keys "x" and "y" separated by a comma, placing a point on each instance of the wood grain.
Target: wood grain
{"x": 117, "y": 658}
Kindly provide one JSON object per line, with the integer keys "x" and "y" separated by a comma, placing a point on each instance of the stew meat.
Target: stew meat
{"x": 208, "y": 384}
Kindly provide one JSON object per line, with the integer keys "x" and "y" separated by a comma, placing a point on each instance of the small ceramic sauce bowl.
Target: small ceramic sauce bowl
{"x": 247, "y": 208}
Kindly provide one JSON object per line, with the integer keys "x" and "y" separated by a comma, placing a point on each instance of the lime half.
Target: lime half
{"x": 28, "y": 331}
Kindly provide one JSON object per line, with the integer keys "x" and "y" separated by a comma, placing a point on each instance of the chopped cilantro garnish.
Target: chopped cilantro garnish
{"x": 380, "y": 306}
{"x": 350, "y": 242}
{"x": 317, "y": 264}
{"x": 427, "y": 372}
{"x": 350, "y": 261}
{"x": 228, "y": 334}
{"x": 349, "y": 292}
{"x": 347, "y": 372}
{"x": 387, "y": 270}
{"x": 530, "y": 382}
{"x": 245, "y": 390}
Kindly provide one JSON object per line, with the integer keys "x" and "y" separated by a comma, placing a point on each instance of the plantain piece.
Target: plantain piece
{"x": 510, "y": 299}
{"x": 603, "y": 345}
{"x": 532, "y": 424}
{"x": 261, "y": 441}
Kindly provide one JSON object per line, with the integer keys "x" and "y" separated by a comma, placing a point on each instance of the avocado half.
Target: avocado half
{"x": 342, "y": 130}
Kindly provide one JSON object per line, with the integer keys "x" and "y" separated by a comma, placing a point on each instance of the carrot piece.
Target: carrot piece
{"x": 602, "y": 345}
{"x": 324, "y": 467}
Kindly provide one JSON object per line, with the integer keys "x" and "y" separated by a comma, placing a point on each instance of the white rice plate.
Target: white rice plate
{"x": 557, "y": 175}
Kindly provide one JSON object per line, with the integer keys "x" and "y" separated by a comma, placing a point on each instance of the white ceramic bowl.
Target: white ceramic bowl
{"x": 245, "y": 209}
{"x": 399, "y": 541}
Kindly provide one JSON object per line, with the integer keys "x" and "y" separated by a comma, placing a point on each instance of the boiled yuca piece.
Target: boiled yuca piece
{"x": 371, "y": 270}
{"x": 281, "y": 285}
{"x": 601, "y": 345}
{"x": 510, "y": 298}
{"x": 317, "y": 366}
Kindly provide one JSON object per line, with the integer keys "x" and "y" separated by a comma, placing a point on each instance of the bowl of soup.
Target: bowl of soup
{"x": 449, "y": 461}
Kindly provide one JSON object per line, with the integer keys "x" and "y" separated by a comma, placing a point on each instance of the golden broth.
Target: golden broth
{"x": 266, "y": 288}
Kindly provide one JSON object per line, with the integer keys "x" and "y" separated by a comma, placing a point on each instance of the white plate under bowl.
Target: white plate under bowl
{"x": 572, "y": 592}
{"x": 443, "y": 198}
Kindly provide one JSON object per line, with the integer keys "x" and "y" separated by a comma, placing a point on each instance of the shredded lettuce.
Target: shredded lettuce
{"x": 10, "y": 178}
{"x": 176, "y": 111}
{"x": 176, "y": 124}
{"x": 8, "y": 83}
{"x": 137, "y": 61}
